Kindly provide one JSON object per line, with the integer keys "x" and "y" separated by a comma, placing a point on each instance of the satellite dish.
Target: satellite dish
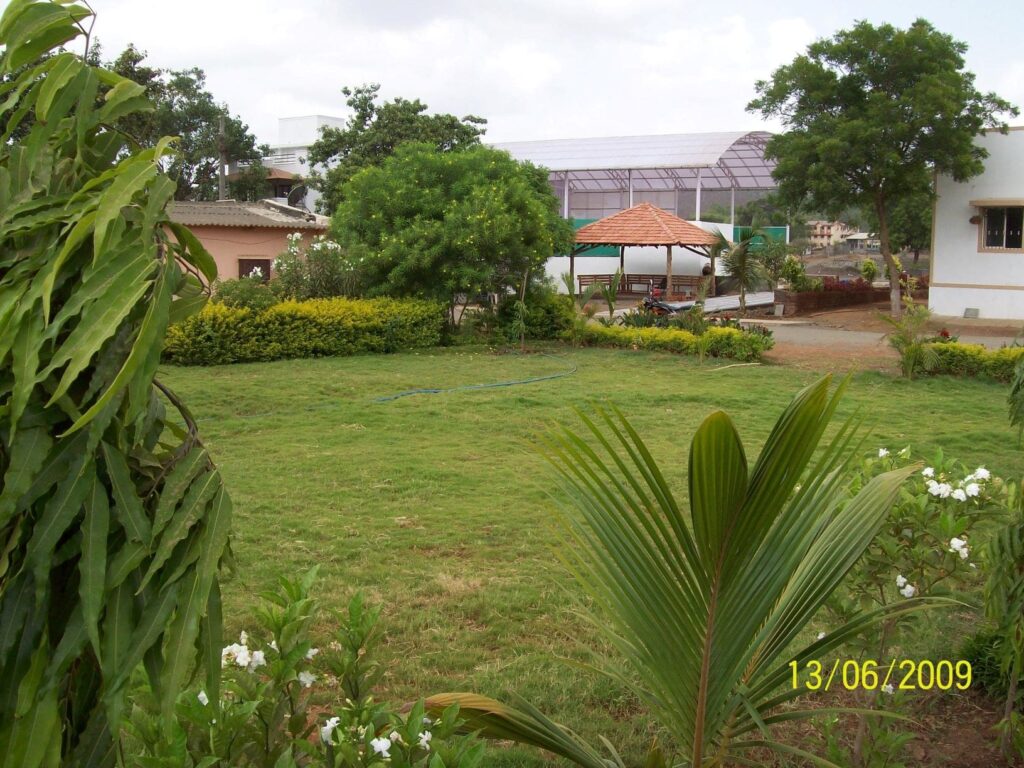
{"x": 297, "y": 197}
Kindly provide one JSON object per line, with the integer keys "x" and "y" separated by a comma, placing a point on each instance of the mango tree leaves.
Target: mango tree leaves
{"x": 111, "y": 534}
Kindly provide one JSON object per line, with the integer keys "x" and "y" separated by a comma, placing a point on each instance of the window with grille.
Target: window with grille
{"x": 1003, "y": 228}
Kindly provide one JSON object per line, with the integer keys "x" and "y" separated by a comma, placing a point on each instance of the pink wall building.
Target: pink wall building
{"x": 242, "y": 236}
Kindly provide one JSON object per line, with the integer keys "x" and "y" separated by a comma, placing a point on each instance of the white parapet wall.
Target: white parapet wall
{"x": 965, "y": 274}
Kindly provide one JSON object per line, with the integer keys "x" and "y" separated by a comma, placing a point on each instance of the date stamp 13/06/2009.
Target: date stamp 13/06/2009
{"x": 871, "y": 675}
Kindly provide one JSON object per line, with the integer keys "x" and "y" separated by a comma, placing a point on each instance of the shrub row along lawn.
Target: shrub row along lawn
{"x": 714, "y": 342}
{"x": 317, "y": 328}
{"x": 437, "y": 508}
{"x": 976, "y": 360}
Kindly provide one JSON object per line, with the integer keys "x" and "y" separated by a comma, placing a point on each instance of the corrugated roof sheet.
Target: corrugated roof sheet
{"x": 643, "y": 224}
{"x": 233, "y": 213}
{"x": 725, "y": 160}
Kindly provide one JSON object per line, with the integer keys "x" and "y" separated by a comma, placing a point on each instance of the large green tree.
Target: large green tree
{"x": 870, "y": 114}
{"x": 184, "y": 108}
{"x": 373, "y": 133}
{"x": 438, "y": 224}
{"x": 113, "y": 518}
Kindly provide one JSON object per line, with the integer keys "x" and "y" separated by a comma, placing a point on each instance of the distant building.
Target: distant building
{"x": 683, "y": 173}
{"x": 823, "y": 234}
{"x": 288, "y": 160}
{"x": 243, "y": 237}
{"x": 977, "y": 255}
{"x": 863, "y": 242}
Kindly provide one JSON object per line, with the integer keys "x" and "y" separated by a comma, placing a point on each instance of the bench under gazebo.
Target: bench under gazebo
{"x": 645, "y": 225}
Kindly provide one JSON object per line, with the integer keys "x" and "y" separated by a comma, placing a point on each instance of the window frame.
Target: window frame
{"x": 983, "y": 246}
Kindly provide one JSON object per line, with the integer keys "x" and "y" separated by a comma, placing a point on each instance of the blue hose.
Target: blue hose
{"x": 467, "y": 387}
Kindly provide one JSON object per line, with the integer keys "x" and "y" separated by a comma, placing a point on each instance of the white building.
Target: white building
{"x": 295, "y": 135}
{"x": 977, "y": 248}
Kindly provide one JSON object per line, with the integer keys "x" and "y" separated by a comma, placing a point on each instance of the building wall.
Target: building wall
{"x": 229, "y": 244}
{"x": 295, "y": 135}
{"x": 962, "y": 274}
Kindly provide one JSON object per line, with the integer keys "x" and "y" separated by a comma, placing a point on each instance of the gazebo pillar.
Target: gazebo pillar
{"x": 572, "y": 271}
{"x": 668, "y": 273}
{"x": 622, "y": 258}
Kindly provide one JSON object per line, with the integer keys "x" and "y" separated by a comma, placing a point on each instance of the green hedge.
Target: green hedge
{"x": 317, "y": 328}
{"x": 719, "y": 342}
{"x": 974, "y": 360}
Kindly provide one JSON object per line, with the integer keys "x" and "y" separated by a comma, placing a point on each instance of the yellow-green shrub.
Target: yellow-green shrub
{"x": 717, "y": 342}
{"x": 974, "y": 360}
{"x": 317, "y": 328}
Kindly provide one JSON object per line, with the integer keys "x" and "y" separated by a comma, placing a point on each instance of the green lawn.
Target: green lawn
{"x": 437, "y": 508}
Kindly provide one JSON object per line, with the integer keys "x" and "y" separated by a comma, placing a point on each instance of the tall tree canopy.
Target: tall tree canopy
{"x": 437, "y": 224}
{"x": 184, "y": 108}
{"x": 869, "y": 114}
{"x": 374, "y": 132}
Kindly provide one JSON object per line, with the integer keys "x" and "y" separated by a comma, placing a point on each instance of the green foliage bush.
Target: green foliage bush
{"x": 318, "y": 328}
{"x": 960, "y": 359}
{"x": 244, "y": 293}
{"x": 549, "y": 314}
{"x": 715, "y": 342}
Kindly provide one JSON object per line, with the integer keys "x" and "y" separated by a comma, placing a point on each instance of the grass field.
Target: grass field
{"x": 437, "y": 507}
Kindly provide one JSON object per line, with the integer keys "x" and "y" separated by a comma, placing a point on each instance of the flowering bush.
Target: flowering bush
{"x": 926, "y": 548}
{"x": 256, "y": 713}
{"x": 320, "y": 271}
{"x": 318, "y": 328}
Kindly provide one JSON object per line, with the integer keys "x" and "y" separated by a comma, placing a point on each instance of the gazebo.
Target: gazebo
{"x": 645, "y": 225}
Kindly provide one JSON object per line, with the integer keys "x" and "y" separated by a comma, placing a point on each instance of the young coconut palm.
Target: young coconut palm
{"x": 742, "y": 262}
{"x": 704, "y": 606}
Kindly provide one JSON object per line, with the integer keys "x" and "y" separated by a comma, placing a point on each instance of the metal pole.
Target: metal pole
{"x": 697, "y": 215}
{"x": 222, "y": 192}
{"x": 629, "y": 186}
{"x": 565, "y": 197}
{"x": 668, "y": 274}
{"x": 732, "y": 208}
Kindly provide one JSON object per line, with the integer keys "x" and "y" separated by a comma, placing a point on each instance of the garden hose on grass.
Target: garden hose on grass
{"x": 493, "y": 385}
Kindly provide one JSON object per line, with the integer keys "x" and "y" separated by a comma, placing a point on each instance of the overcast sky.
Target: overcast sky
{"x": 533, "y": 68}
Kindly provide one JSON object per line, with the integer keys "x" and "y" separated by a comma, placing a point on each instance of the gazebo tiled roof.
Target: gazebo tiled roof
{"x": 643, "y": 224}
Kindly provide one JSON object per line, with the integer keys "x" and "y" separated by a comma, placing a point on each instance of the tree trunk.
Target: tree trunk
{"x": 886, "y": 248}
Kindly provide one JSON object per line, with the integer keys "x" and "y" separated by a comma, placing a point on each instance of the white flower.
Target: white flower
{"x": 905, "y": 451}
{"x": 237, "y": 653}
{"x": 901, "y": 582}
{"x": 964, "y": 553}
{"x": 258, "y": 660}
{"x": 942, "y": 490}
{"x": 425, "y": 738}
{"x": 972, "y": 489}
{"x": 883, "y": 452}
{"x": 427, "y": 721}
{"x": 909, "y": 590}
{"x": 959, "y": 494}
{"x": 256, "y": 272}
{"x": 395, "y": 736}
{"x": 203, "y": 698}
{"x": 382, "y": 747}
{"x": 821, "y": 635}
{"x": 273, "y": 644}
{"x": 243, "y": 638}
{"x": 982, "y": 474}
{"x": 887, "y": 688}
{"x": 973, "y": 565}
{"x": 328, "y": 728}
{"x": 928, "y": 472}
{"x": 312, "y": 652}
{"x": 306, "y": 678}
{"x": 956, "y": 544}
